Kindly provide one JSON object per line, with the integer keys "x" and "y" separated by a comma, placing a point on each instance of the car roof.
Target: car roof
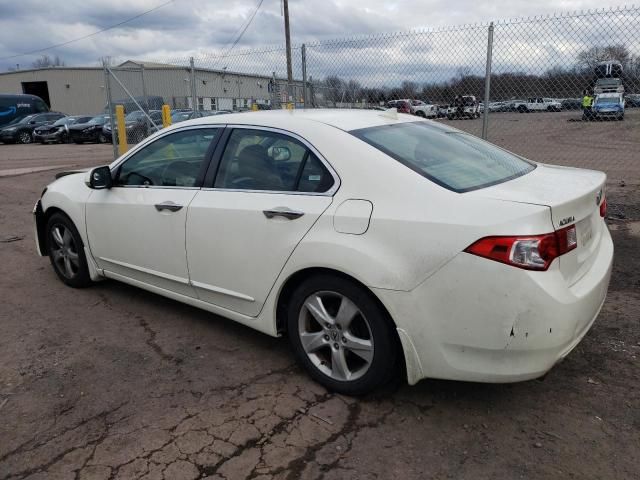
{"x": 343, "y": 119}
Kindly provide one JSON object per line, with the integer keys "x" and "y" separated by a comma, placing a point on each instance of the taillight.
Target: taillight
{"x": 603, "y": 207}
{"x": 531, "y": 252}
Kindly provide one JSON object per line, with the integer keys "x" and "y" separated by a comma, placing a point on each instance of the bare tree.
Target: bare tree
{"x": 46, "y": 61}
{"x": 588, "y": 59}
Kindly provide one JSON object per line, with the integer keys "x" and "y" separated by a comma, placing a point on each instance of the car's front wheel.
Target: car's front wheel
{"x": 66, "y": 251}
{"x": 341, "y": 335}
{"x": 25, "y": 137}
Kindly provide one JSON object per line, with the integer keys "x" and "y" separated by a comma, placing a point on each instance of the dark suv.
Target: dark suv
{"x": 21, "y": 130}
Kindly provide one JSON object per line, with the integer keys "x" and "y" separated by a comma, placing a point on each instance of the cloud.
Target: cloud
{"x": 205, "y": 30}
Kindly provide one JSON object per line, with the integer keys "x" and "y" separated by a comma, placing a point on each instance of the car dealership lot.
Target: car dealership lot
{"x": 116, "y": 382}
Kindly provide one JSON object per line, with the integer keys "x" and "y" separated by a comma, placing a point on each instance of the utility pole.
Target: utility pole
{"x": 287, "y": 40}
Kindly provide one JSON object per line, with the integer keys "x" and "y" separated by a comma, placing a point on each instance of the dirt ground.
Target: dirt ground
{"x": 114, "y": 382}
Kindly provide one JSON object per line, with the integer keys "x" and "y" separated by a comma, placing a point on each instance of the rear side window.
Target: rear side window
{"x": 454, "y": 160}
{"x": 270, "y": 161}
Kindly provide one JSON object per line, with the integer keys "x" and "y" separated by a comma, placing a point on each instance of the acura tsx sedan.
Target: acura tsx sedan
{"x": 380, "y": 244}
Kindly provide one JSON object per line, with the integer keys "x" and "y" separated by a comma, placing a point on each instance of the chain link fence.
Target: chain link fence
{"x": 516, "y": 82}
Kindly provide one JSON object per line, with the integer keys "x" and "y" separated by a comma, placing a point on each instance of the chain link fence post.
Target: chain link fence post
{"x": 144, "y": 88}
{"x": 303, "y": 51}
{"x": 487, "y": 83}
{"x": 107, "y": 89}
{"x": 194, "y": 100}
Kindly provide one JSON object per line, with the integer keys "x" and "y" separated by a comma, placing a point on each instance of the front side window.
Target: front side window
{"x": 454, "y": 160}
{"x": 270, "y": 161}
{"x": 174, "y": 160}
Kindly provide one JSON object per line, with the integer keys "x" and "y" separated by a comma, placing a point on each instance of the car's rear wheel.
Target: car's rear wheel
{"x": 102, "y": 138}
{"x": 25, "y": 137}
{"x": 341, "y": 335}
{"x": 66, "y": 251}
{"x": 420, "y": 113}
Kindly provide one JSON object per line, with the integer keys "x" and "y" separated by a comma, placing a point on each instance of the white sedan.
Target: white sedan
{"x": 379, "y": 243}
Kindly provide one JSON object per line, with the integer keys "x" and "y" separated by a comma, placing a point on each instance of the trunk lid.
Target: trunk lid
{"x": 573, "y": 196}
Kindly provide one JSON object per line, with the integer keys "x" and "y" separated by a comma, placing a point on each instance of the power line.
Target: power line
{"x": 51, "y": 47}
{"x": 244, "y": 29}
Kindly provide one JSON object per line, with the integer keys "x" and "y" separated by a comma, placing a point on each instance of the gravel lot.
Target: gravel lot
{"x": 115, "y": 382}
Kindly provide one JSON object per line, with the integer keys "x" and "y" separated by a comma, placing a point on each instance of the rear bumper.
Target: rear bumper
{"x": 478, "y": 320}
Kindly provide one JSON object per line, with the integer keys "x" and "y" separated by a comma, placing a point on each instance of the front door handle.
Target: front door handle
{"x": 283, "y": 212}
{"x": 172, "y": 207}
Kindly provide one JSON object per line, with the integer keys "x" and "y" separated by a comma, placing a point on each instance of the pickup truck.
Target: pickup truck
{"x": 537, "y": 104}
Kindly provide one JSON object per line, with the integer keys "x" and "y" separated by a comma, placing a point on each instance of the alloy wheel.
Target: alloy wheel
{"x": 64, "y": 251}
{"x": 335, "y": 335}
{"x": 25, "y": 137}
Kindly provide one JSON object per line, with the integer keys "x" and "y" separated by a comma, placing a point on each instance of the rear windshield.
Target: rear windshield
{"x": 455, "y": 160}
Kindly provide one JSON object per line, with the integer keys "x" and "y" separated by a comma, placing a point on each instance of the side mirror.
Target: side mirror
{"x": 100, "y": 178}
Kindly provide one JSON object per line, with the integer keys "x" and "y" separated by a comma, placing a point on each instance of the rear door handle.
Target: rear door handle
{"x": 283, "y": 212}
{"x": 172, "y": 207}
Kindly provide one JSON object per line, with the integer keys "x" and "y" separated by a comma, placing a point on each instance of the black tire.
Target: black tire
{"x": 377, "y": 326}
{"x": 68, "y": 252}
{"x": 102, "y": 138}
{"x": 420, "y": 113}
{"x": 78, "y": 142}
{"x": 522, "y": 109}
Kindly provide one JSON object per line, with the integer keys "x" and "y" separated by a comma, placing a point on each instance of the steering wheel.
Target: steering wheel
{"x": 146, "y": 181}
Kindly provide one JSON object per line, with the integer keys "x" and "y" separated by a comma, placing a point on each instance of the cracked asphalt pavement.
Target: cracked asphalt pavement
{"x": 112, "y": 382}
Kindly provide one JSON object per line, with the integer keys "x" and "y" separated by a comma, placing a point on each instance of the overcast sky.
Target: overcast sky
{"x": 206, "y": 27}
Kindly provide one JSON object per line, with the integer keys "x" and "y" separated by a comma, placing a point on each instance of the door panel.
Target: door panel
{"x": 128, "y": 235}
{"x": 235, "y": 253}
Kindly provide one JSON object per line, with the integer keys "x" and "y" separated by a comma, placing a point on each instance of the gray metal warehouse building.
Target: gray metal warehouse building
{"x": 77, "y": 90}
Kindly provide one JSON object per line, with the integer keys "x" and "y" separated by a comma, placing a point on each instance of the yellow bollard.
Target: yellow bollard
{"x": 254, "y": 107}
{"x": 166, "y": 116}
{"x": 122, "y": 130}
{"x": 290, "y": 106}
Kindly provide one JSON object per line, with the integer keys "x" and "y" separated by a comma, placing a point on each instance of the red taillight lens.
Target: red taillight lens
{"x": 532, "y": 252}
{"x": 603, "y": 207}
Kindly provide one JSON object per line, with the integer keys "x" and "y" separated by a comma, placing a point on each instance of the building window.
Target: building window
{"x": 214, "y": 104}
{"x": 200, "y": 103}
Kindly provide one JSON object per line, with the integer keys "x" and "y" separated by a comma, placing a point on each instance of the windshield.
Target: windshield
{"x": 134, "y": 115}
{"x": 607, "y": 101}
{"x": 100, "y": 119}
{"x": 63, "y": 121}
{"x": 608, "y": 81}
{"x": 180, "y": 116}
{"x": 22, "y": 120}
{"x": 452, "y": 159}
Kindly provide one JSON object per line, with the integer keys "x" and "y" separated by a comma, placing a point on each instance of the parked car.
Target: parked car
{"x": 632, "y": 100}
{"x": 178, "y": 116}
{"x": 571, "y": 104}
{"x": 138, "y": 125}
{"x": 90, "y": 131}
{"x": 469, "y": 108}
{"x": 608, "y": 105}
{"x": 498, "y": 106}
{"x": 403, "y": 106}
{"x": 608, "y": 85}
{"x": 21, "y": 129}
{"x": 58, "y": 132}
{"x": 15, "y": 107}
{"x": 150, "y": 102}
{"x": 423, "y": 109}
{"x": 537, "y": 104}
{"x": 312, "y": 224}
